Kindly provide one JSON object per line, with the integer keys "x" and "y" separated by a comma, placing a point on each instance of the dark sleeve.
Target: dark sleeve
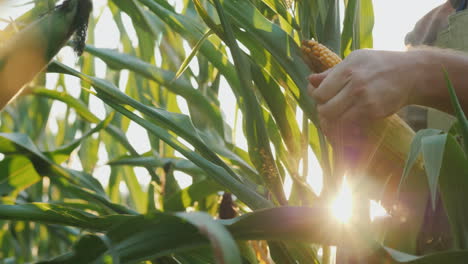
{"x": 455, "y": 3}
{"x": 459, "y": 4}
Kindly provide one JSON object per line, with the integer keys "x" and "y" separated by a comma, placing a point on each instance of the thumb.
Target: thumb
{"x": 317, "y": 78}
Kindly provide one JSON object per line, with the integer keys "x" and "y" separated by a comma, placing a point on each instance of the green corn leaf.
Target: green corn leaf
{"x": 280, "y": 8}
{"x": 433, "y": 148}
{"x": 452, "y": 183}
{"x": 358, "y": 25}
{"x": 257, "y": 137}
{"x": 59, "y": 214}
{"x": 163, "y": 77}
{"x": 180, "y": 124}
{"x": 84, "y": 113}
{"x": 188, "y": 196}
{"x": 458, "y": 111}
{"x": 157, "y": 162}
{"x": 192, "y": 54}
{"x": 17, "y": 173}
{"x": 415, "y": 151}
{"x": 224, "y": 247}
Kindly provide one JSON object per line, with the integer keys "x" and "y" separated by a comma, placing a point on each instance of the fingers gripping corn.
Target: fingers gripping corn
{"x": 389, "y": 139}
{"x": 378, "y": 169}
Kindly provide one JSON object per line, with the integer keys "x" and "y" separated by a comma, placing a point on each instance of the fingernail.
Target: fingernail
{"x": 312, "y": 76}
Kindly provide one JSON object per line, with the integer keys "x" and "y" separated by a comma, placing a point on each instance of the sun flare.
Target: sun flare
{"x": 342, "y": 207}
{"x": 377, "y": 211}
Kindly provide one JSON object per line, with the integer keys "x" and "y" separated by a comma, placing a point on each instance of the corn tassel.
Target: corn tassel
{"x": 30, "y": 50}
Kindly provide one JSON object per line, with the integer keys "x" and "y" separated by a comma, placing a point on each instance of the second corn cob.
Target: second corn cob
{"x": 29, "y": 51}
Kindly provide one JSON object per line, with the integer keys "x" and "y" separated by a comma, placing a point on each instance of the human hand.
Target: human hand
{"x": 368, "y": 85}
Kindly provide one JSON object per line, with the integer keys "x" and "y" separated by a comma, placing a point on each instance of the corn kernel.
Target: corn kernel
{"x": 320, "y": 57}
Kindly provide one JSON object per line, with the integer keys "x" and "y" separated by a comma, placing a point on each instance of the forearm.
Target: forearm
{"x": 430, "y": 88}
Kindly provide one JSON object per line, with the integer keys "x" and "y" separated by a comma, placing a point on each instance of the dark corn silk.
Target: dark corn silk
{"x": 80, "y": 24}
{"x": 227, "y": 208}
{"x": 459, "y": 5}
{"x": 29, "y": 50}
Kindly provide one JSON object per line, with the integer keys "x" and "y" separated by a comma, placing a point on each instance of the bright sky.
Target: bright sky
{"x": 393, "y": 19}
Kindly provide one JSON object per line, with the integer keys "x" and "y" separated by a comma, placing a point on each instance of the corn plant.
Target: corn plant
{"x": 55, "y": 211}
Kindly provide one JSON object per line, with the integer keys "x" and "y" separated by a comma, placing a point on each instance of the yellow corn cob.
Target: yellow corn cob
{"x": 382, "y": 160}
{"x": 319, "y": 57}
{"x": 389, "y": 139}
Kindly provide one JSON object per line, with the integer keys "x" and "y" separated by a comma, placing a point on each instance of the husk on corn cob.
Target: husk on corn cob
{"x": 384, "y": 154}
{"x": 380, "y": 164}
{"x": 29, "y": 51}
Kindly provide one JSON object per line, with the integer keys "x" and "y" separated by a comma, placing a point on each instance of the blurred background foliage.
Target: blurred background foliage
{"x": 130, "y": 153}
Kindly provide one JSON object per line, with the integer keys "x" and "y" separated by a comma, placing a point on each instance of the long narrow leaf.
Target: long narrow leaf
{"x": 458, "y": 111}
{"x": 192, "y": 54}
